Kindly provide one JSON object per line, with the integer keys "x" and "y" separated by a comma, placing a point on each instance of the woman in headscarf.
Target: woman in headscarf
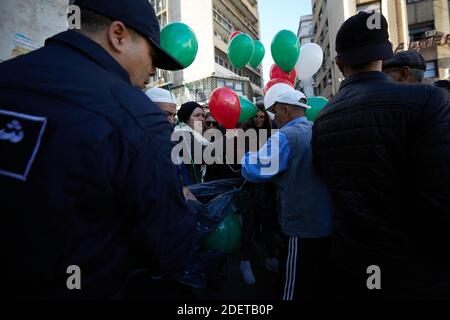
{"x": 191, "y": 122}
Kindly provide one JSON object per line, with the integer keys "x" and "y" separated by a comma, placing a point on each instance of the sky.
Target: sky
{"x": 276, "y": 15}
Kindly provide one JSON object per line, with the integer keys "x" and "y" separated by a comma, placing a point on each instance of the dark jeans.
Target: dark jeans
{"x": 251, "y": 221}
{"x": 260, "y": 213}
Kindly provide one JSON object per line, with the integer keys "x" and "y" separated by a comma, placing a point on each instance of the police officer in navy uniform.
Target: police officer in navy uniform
{"x": 88, "y": 190}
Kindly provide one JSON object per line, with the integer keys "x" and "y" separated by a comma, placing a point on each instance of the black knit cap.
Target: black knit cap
{"x": 361, "y": 40}
{"x": 186, "y": 110}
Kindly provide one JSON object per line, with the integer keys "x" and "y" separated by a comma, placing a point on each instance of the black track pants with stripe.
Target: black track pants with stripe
{"x": 305, "y": 269}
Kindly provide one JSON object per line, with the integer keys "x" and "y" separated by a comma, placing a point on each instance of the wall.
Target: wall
{"x": 35, "y": 20}
{"x": 198, "y": 15}
{"x": 442, "y": 24}
{"x": 420, "y": 12}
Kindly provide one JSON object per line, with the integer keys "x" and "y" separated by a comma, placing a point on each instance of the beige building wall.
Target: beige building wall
{"x": 243, "y": 16}
{"x": 198, "y": 14}
{"x": 434, "y": 14}
{"x": 25, "y": 24}
{"x": 442, "y": 24}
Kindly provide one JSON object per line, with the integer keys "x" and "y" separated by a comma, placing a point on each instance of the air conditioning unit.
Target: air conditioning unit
{"x": 430, "y": 33}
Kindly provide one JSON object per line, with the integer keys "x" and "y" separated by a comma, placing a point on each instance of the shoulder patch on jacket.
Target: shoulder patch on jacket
{"x": 20, "y": 138}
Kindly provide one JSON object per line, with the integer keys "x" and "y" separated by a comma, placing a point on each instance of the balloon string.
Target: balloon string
{"x": 242, "y": 186}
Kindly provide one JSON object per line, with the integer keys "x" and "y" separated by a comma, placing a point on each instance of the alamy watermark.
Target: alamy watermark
{"x": 74, "y": 280}
{"x": 74, "y": 17}
{"x": 374, "y": 21}
{"x": 374, "y": 280}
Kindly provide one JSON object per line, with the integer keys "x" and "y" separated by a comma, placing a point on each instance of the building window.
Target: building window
{"x": 224, "y": 22}
{"x": 238, "y": 87}
{"x": 374, "y": 6}
{"x": 421, "y": 30}
{"x": 431, "y": 71}
{"x": 220, "y": 83}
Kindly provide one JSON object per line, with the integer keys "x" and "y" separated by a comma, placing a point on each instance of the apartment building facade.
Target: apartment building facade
{"x": 421, "y": 25}
{"x": 213, "y": 21}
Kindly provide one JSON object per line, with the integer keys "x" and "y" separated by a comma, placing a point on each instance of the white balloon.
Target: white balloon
{"x": 274, "y": 92}
{"x": 310, "y": 61}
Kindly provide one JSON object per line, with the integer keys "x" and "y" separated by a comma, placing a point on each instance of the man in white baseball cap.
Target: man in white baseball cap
{"x": 165, "y": 100}
{"x": 305, "y": 207}
{"x": 288, "y": 106}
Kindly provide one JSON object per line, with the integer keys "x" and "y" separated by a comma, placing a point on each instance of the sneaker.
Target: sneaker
{"x": 247, "y": 273}
{"x": 272, "y": 264}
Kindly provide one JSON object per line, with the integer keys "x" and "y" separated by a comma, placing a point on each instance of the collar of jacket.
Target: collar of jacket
{"x": 364, "y": 76}
{"x": 197, "y": 136}
{"x": 91, "y": 49}
{"x": 295, "y": 121}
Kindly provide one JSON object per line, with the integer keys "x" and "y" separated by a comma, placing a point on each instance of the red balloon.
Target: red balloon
{"x": 275, "y": 81}
{"x": 234, "y": 34}
{"x": 276, "y": 72}
{"x": 225, "y": 107}
{"x": 292, "y": 76}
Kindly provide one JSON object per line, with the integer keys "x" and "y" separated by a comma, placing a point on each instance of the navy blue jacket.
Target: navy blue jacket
{"x": 86, "y": 176}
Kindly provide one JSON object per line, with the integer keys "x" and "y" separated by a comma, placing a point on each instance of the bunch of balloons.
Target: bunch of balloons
{"x": 180, "y": 41}
{"x": 229, "y": 109}
{"x": 242, "y": 50}
{"x": 293, "y": 62}
{"x": 287, "y": 54}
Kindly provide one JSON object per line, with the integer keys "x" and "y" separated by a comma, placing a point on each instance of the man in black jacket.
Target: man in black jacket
{"x": 86, "y": 178}
{"x": 384, "y": 150}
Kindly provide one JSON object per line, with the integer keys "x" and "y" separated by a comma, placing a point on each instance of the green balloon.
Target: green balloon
{"x": 285, "y": 50}
{"x": 316, "y": 104}
{"x": 226, "y": 237}
{"x": 258, "y": 55}
{"x": 180, "y": 41}
{"x": 248, "y": 109}
{"x": 240, "y": 50}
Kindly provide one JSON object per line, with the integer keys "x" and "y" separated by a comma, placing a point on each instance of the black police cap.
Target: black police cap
{"x": 138, "y": 15}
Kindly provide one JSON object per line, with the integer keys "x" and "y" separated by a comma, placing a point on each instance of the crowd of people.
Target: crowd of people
{"x": 92, "y": 182}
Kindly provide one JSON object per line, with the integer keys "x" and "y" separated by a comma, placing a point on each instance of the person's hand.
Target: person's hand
{"x": 188, "y": 194}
